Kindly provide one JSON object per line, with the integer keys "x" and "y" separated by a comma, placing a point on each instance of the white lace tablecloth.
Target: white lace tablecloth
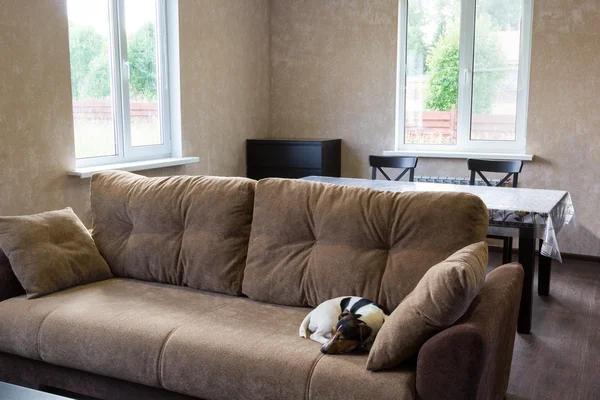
{"x": 547, "y": 211}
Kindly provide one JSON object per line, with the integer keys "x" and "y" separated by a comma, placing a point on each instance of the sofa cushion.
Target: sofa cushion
{"x": 199, "y": 343}
{"x": 9, "y": 284}
{"x": 266, "y": 360}
{"x": 184, "y": 230}
{"x": 115, "y": 328}
{"x": 345, "y": 377}
{"x": 439, "y": 300}
{"x": 51, "y": 251}
{"x": 311, "y": 242}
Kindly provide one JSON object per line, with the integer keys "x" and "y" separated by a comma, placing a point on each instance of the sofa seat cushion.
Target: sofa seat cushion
{"x": 204, "y": 344}
{"x": 184, "y": 230}
{"x": 346, "y": 377}
{"x": 311, "y": 242}
{"x": 252, "y": 351}
{"x": 115, "y": 328}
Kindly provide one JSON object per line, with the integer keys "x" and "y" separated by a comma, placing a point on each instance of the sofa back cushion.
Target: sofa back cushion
{"x": 311, "y": 242}
{"x": 183, "y": 230}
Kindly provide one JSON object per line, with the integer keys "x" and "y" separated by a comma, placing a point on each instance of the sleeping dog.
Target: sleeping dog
{"x": 343, "y": 324}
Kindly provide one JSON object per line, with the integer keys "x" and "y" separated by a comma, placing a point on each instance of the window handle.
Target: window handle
{"x": 466, "y": 76}
{"x": 520, "y": 83}
{"x": 127, "y": 70}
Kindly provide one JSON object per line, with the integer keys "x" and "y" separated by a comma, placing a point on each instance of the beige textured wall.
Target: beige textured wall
{"x": 36, "y": 123}
{"x": 332, "y": 71}
{"x": 224, "y": 50}
{"x": 225, "y": 69}
{"x": 564, "y": 118}
{"x": 333, "y": 75}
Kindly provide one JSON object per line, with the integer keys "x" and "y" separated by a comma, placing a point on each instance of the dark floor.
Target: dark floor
{"x": 560, "y": 359}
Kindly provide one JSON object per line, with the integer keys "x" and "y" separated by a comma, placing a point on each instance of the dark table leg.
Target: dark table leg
{"x": 527, "y": 260}
{"x": 544, "y": 270}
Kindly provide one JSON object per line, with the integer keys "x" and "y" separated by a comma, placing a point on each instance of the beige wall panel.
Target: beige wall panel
{"x": 225, "y": 97}
{"x": 333, "y": 75}
{"x": 224, "y": 46}
{"x": 36, "y": 123}
{"x": 563, "y": 113}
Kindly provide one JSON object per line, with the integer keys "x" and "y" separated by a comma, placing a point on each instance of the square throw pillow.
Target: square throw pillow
{"x": 51, "y": 251}
{"x": 440, "y": 298}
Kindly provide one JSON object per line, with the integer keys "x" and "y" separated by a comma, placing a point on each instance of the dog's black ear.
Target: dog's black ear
{"x": 357, "y": 316}
{"x": 365, "y": 331}
{"x": 344, "y": 303}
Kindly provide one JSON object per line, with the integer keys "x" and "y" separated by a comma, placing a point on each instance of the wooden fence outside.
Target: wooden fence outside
{"x": 442, "y": 124}
{"x": 102, "y": 109}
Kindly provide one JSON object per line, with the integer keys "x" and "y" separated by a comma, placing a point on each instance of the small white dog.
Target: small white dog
{"x": 343, "y": 324}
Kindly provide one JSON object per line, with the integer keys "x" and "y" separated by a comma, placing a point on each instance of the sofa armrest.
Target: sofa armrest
{"x": 472, "y": 358}
{"x": 9, "y": 285}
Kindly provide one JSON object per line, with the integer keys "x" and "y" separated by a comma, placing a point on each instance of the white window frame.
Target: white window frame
{"x": 464, "y": 144}
{"x": 119, "y": 72}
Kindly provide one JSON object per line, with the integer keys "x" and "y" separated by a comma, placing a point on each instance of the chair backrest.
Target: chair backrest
{"x": 408, "y": 163}
{"x": 510, "y": 167}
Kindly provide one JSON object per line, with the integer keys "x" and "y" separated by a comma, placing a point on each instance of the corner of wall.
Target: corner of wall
{"x": 270, "y": 132}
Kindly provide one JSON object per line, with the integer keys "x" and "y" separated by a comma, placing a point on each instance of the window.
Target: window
{"x": 119, "y": 80}
{"x": 463, "y": 75}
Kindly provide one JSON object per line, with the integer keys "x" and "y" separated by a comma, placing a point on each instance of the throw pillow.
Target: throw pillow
{"x": 440, "y": 298}
{"x": 51, "y": 251}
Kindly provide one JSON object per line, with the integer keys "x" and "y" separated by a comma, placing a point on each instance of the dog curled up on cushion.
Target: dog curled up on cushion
{"x": 344, "y": 324}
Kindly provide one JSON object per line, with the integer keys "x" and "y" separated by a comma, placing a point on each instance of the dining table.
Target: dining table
{"x": 529, "y": 215}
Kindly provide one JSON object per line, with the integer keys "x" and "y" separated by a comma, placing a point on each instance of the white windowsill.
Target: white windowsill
{"x": 87, "y": 172}
{"x": 458, "y": 154}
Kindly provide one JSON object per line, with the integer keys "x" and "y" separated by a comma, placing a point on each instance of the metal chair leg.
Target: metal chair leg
{"x": 506, "y": 250}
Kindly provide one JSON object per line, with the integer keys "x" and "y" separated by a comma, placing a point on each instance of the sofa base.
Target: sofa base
{"x": 59, "y": 380}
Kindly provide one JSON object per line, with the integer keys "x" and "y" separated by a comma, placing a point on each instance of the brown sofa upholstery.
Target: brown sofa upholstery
{"x": 127, "y": 338}
{"x": 168, "y": 337}
{"x": 183, "y": 230}
{"x": 379, "y": 244}
{"x": 471, "y": 360}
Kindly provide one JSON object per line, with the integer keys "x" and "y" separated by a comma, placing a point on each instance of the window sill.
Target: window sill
{"x": 458, "y": 154}
{"x": 87, "y": 172}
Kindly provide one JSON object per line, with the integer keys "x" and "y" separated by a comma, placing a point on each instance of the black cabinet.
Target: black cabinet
{"x": 293, "y": 158}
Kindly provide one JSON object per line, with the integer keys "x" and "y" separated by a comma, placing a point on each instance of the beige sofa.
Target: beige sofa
{"x": 214, "y": 275}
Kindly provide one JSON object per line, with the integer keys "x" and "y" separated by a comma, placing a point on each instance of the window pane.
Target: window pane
{"x": 432, "y": 71}
{"x": 496, "y": 69}
{"x": 91, "y": 78}
{"x": 140, "y": 22}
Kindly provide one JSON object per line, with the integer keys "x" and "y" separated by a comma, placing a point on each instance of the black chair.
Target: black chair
{"x": 408, "y": 163}
{"x": 510, "y": 168}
